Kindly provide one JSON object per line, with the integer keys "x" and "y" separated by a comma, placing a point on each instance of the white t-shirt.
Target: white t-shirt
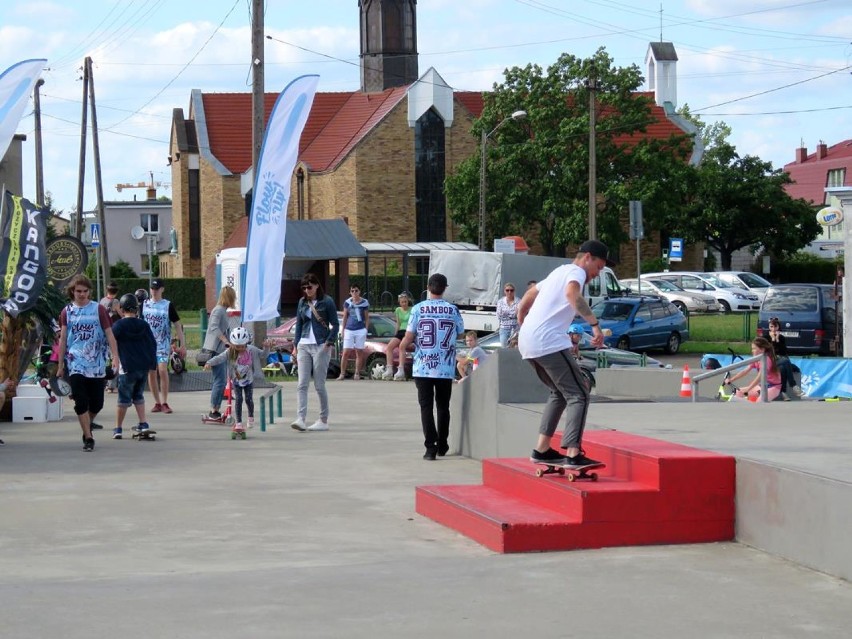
{"x": 545, "y": 328}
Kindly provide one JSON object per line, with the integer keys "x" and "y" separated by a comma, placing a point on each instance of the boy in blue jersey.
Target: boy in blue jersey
{"x": 434, "y": 327}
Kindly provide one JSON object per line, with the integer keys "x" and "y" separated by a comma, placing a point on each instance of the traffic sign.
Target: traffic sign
{"x": 95, "y": 230}
{"x": 675, "y": 249}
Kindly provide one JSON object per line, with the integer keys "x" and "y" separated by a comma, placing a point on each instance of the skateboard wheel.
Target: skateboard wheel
{"x": 244, "y": 435}
{"x": 52, "y": 399}
{"x": 233, "y": 435}
{"x": 571, "y": 477}
{"x": 539, "y": 472}
{"x": 594, "y": 476}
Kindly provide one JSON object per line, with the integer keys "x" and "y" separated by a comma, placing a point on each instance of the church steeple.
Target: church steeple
{"x": 388, "y": 44}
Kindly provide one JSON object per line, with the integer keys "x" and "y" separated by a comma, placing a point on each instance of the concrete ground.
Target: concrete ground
{"x": 314, "y": 535}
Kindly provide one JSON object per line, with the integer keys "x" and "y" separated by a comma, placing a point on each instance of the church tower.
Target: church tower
{"x": 388, "y": 44}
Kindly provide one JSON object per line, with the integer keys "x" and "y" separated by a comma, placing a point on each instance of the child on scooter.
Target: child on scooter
{"x": 761, "y": 345}
{"x": 244, "y": 362}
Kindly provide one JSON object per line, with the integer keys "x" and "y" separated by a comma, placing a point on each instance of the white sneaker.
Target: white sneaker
{"x": 251, "y": 422}
{"x": 298, "y": 424}
{"x": 388, "y": 374}
{"x": 399, "y": 376}
{"x": 797, "y": 391}
{"x": 318, "y": 425}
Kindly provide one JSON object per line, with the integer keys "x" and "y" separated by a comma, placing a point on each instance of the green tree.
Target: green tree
{"x": 537, "y": 168}
{"x": 740, "y": 202}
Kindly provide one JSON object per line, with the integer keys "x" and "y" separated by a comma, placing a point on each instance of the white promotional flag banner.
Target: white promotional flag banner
{"x": 16, "y": 85}
{"x": 270, "y": 195}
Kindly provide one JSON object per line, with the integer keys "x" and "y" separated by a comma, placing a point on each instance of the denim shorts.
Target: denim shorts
{"x": 131, "y": 387}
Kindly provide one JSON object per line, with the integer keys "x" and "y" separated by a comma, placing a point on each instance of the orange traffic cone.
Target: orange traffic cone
{"x": 686, "y": 383}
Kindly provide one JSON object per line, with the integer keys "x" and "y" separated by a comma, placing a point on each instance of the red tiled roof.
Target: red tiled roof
{"x": 811, "y": 176}
{"x": 337, "y": 122}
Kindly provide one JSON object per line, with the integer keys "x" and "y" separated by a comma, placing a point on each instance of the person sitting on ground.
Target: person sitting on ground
{"x": 473, "y": 358}
{"x": 761, "y": 345}
{"x": 401, "y": 315}
{"x": 785, "y": 366}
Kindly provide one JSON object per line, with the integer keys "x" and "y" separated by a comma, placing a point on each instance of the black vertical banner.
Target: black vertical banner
{"x": 23, "y": 258}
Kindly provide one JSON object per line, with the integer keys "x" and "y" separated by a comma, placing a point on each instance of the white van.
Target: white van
{"x": 603, "y": 286}
{"x": 744, "y": 279}
{"x": 729, "y": 297}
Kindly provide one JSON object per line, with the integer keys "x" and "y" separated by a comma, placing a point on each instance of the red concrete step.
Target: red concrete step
{"x": 507, "y": 524}
{"x": 651, "y": 492}
{"x": 610, "y": 498}
{"x": 658, "y": 463}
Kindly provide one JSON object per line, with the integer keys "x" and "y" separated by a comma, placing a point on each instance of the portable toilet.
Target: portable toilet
{"x": 231, "y": 270}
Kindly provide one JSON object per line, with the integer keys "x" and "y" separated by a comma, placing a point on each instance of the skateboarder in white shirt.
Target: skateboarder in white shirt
{"x": 544, "y": 313}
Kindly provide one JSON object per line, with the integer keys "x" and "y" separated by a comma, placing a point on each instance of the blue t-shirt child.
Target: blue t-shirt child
{"x": 437, "y": 325}
{"x": 355, "y": 319}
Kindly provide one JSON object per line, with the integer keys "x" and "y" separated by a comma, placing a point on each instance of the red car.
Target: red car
{"x": 380, "y": 331}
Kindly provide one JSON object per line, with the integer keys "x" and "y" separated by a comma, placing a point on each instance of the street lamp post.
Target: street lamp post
{"x": 517, "y": 115}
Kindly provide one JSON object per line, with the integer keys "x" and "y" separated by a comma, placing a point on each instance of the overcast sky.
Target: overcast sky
{"x": 777, "y": 71}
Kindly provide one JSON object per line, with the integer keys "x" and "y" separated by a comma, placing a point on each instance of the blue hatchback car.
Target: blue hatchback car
{"x": 641, "y": 323}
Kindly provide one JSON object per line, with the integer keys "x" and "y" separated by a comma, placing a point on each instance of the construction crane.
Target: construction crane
{"x": 150, "y": 187}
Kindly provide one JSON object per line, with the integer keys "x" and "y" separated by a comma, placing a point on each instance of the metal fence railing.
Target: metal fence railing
{"x": 732, "y": 367}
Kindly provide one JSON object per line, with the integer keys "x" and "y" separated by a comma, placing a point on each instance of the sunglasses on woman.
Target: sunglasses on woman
{"x": 306, "y": 287}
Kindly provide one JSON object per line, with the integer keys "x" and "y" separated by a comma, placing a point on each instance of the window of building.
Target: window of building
{"x": 431, "y": 206}
{"x": 836, "y": 177}
{"x": 194, "y": 214}
{"x": 150, "y": 222}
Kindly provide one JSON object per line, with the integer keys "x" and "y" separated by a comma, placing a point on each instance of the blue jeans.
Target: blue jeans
{"x": 220, "y": 375}
{"x": 131, "y": 387}
{"x": 505, "y": 333}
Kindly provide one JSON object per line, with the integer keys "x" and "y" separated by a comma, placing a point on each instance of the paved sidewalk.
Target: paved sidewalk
{"x": 293, "y": 534}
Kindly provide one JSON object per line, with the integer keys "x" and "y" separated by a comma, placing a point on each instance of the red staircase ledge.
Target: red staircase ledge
{"x": 652, "y": 492}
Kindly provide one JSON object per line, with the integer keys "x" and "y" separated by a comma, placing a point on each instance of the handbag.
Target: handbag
{"x": 203, "y": 355}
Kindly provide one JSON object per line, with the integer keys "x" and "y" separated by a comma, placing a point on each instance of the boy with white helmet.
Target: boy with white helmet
{"x": 244, "y": 362}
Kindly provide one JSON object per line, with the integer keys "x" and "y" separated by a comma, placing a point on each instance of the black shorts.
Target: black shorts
{"x": 88, "y": 393}
{"x": 399, "y": 335}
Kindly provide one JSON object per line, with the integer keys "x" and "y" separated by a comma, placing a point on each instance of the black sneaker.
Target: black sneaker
{"x": 430, "y": 455}
{"x": 581, "y": 461}
{"x": 96, "y": 426}
{"x": 89, "y": 444}
{"x": 214, "y": 414}
{"x": 548, "y": 457}
{"x": 443, "y": 449}
{"x": 2, "y": 443}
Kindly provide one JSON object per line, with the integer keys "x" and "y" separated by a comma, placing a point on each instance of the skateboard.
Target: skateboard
{"x": 147, "y": 435}
{"x": 238, "y": 434}
{"x": 45, "y": 384}
{"x": 573, "y": 473}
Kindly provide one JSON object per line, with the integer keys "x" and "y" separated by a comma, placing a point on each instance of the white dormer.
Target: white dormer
{"x": 661, "y": 64}
{"x": 430, "y": 92}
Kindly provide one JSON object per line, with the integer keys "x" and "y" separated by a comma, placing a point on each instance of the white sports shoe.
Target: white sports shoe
{"x": 399, "y": 376}
{"x": 388, "y": 374}
{"x": 298, "y": 424}
{"x": 251, "y": 422}
{"x": 318, "y": 425}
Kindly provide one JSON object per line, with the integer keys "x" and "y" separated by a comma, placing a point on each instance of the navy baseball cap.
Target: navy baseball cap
{"x": 597, "y": 249}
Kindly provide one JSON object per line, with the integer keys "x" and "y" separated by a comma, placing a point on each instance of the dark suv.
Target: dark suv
{"x": 810, "y": 316}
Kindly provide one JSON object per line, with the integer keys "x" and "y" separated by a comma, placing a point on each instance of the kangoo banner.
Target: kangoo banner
{"x": 23, "y": 256}
{"x": 66, "y": 257}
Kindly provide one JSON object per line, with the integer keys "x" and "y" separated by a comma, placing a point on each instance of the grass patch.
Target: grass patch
{"x": 730, "y": 327}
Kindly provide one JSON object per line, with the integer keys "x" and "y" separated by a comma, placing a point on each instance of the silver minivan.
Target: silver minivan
{"x": 744, "y": 279}
{"x": 691, "y": 301}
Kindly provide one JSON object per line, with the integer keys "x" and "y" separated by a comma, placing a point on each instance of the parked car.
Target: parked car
{"x": 730, "y": 298}
{"x": 612, "y": 356}
{"x": 686, "y": 301}
{"x": 380, "y": 331}
{"x": 743, "y": 279}
{"x": 809, "y": 315}
{"x": 641, "y": 323}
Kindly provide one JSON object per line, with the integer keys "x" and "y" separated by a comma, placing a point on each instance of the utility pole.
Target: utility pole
{"x": 81, "y": 170}
{"x": 258, "y": 118}
{"x": 39, "y": 161}
{"x": 99, "y": 187}
{"x": 592, "y": 85}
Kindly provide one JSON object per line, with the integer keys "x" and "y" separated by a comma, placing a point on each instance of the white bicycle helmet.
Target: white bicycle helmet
{"x": 240, "y": 336}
